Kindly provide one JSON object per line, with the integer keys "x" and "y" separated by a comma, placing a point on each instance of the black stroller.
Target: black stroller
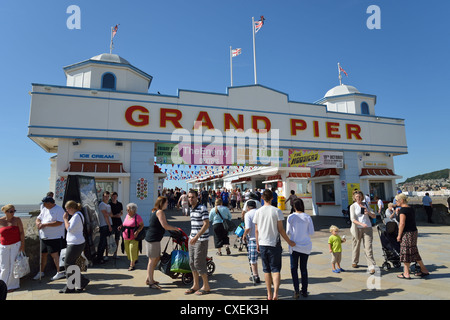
{"x": 391, "y": 247}
{"x": 181, "y": 241}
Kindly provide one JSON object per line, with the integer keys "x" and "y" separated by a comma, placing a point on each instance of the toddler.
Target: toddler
{"x": 334, "y": 244}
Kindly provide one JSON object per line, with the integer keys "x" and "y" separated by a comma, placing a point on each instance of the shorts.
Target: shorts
{"x": 336, "y": 257}
{"x": 252, "y": 253}
{"x": 271, "y": 258}
{"x": 153, "y": 249}
{"x": 51, "y": 245}
{"x": 197, "y": 256}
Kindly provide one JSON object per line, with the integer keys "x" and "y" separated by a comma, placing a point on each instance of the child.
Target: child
{"x": 334, "y": 243}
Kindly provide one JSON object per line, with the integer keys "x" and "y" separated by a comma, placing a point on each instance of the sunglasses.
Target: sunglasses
{"x": 12, "y": 211}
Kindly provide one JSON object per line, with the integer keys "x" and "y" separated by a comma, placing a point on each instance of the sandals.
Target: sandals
{"x": 202, "y": 292}
{"x": 402, "y": 276}
{"x": 421, "y": 274}
{"x": 155, "y": 285}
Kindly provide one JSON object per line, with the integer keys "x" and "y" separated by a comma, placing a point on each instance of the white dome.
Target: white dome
{"x": 341, "y": 90}
{"x": 107, "y": 57}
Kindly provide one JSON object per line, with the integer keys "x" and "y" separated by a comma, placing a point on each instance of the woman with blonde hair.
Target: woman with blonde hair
{"x": 361, "y": 230}
{"x": 75, "y": 240}
{"x": 156, "y": 229}
{"x": 12, "y": 241}
{"x": 216, "y": 216}
{"x": 407, "y": 236}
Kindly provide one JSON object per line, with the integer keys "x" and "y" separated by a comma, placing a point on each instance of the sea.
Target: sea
{"x": 23, "y": 210}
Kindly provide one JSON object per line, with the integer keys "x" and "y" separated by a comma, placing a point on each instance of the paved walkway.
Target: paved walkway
{"x": 231, "y": 278}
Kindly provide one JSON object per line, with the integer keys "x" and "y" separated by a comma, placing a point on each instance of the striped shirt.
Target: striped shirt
{"x": 198, "y": 214}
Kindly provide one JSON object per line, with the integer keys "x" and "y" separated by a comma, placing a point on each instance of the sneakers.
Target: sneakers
{"x": 59, "y": 275}
{"x": 255, "y": 279}
{"x": 39, "y": 275}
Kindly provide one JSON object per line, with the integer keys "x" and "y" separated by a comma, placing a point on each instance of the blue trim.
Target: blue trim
{"x": 228, "y": 108}
{"x": 115, "y": 81}
{"x": 170, "y": 133}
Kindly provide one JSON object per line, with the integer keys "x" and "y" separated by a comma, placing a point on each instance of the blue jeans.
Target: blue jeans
{"x": 303, "y": 257}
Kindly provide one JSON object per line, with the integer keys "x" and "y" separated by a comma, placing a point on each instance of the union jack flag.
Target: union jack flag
{"x": 259, "y": 24}
{"x": 236, "y": 52}
{"x": 340, "y": 68}
{"x": 114, "y": 31}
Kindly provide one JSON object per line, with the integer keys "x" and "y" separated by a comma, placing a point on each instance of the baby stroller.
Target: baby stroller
{"x": 181, "y": 241}
{"x": 239, "y": 232}
{"x": 391, "y": 247}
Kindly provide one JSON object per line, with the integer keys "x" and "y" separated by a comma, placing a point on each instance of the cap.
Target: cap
{"x": 48, "y": 199}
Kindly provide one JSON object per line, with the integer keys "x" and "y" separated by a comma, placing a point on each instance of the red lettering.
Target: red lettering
{"x": 332, "y": 127}
{"x": 316, "y": 128}
{"x": 203, "y": 120}
{"x": 238, "y": 125}
{"x": 353, "y": 130}
{"x": 143, "y": 118}
{"x": 172, "y": 115}
{"x": 297, "y": 124}
{"x": 255, "y": 120}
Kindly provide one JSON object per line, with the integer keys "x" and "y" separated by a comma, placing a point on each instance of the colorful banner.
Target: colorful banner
{"x": 315, "y": 159}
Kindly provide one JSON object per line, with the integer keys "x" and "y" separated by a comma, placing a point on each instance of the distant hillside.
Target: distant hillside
{"x": 441, "y": 174}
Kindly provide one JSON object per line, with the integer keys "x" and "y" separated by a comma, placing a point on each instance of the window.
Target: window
{"x": 377, "y": 189}
{"x": 365, "y": 108}
{"x": 109, "y": 81}
{"x": 328, "y": 192}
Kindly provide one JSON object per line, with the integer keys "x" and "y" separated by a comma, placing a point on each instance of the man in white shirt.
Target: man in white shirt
{"x": 50, "y": 224}
{"x": 105, "y": 226}
{"x": 251, "y": 240}
{"x": 268, "y": 222}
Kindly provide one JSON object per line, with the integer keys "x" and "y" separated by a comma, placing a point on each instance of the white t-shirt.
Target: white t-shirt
{"x": 249, "y": 223}
{"x": 101, "y": 217}
{"x": 75, "y": 230}
{"x": 300, "y": 228}
{"x": 54, "y": 214}
{"x": 266, "y": 218}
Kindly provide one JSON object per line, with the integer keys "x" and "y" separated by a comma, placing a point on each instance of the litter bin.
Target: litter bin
{"x": 281, "y": 203}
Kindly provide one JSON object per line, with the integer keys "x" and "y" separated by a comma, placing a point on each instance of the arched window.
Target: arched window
{"x": 365, "y": 108}
{"x": 109, "y": 81}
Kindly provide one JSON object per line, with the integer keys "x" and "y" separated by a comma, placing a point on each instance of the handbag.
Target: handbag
{"x": 21, "y": 266}
{"x": 227, "y": 223}
{"x": 180, "y": 262}
{"x": 141, "y": 234}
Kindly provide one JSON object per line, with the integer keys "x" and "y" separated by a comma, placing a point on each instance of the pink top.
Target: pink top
{"x": 130, "y": 226}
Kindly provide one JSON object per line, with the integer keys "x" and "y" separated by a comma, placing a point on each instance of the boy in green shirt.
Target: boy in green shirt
{"x": 334, "y": 244}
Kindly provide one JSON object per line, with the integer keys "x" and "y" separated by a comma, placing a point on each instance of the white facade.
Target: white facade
{"x": 105, "y": 124}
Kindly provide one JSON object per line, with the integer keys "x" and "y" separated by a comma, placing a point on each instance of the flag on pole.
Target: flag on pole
{"x": 340, "y": 69}
{"x": 236, "y": 52}
{"x": 114, "y": 30}
{"x": 259, "y": 24}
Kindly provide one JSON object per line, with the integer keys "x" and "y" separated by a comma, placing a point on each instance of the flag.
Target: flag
{"x": 236, "y": 52}
{"x": 114, "y": 31}
{"x": 340, "y": 69}
{"x": 259, "y": 24}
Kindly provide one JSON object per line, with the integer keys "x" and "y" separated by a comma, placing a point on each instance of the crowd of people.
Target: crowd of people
{"x": 263, "y": 224}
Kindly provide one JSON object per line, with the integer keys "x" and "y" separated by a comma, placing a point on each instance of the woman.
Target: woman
{"x": 300, "y": 228}
{"x": 75, "y": 240}
{"x": 156, "y": 229}
{"x": 361, "y": 230}
{"x": 407, "y": 236}
{"x": 132, "y": 226}
{"x": 12, "y": 241}
{"x": 216, "y": 216}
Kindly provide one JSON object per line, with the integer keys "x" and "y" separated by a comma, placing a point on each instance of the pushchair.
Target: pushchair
{"x": 239, "y": 232}
{"x": 181, "y": 241}
{"x": 390, "y": 246}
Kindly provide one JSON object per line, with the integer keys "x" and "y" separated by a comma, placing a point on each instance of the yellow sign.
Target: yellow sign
{"x": 350, "y": 188}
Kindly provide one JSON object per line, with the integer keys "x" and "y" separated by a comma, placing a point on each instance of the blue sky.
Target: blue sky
{"x": 185, "y": 45}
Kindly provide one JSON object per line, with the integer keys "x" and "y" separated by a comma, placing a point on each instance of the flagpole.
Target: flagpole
{"x": 254, "y": 48}
{"x": 340, "y": 76}
{"x": 111, "y": 43}
{"x": 231, "y": 65}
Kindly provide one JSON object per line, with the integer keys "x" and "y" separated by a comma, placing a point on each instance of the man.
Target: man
{"x": 428, "y": 206}
{"x": 50, "y": 224}
{"x": 251, "y": 240}
{"x": 268, "y": 222}
{"x": 205, "y": 197}
{"x": 105, "y": 226}
{"x": 198, "y": 245}
{"x": 117, "y": 212}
